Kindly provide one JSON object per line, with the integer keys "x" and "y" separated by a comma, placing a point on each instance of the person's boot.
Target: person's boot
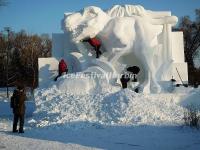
{"x": 137, "y": 90}
{"x": 14, "y": 127}
{"x": 97, "y": 54}
{"x": 14, "y": 131}
{"x": 21, "y": 124}
{"x": 21, "y": 130}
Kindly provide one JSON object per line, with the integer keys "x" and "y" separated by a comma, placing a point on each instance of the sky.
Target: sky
{"x": 44, "y": 16}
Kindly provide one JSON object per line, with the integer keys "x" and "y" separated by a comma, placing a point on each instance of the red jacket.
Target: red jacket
{"x": 94, "y": 42}
{"x": 62, "y": 66}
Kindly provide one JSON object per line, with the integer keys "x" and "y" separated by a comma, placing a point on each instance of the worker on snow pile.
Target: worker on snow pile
{"x": 17, "y": 103}
{"x": 95, "y": 43}
{"x": 124, "y": 80}
{"x": 134, "y": 70}
{"x": 62, "y": 68}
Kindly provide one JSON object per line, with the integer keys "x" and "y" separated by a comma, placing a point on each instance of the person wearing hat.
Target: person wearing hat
{"x": 18, "y": 105}
{"x": 124, "y": 80}
{"x": 62, "y": 67}
{"x": 95, "y": 43}
{"x": 134, "y": 70}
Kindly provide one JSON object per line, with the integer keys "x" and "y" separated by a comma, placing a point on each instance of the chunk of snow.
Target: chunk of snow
{"x": 78, "y": 83}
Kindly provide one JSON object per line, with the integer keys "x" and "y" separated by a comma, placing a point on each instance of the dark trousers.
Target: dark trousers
{"x": 60, "y": 74}
{"x": 124, "y": 81}
{"x": 21, "y": 122}
{"x": 124, "y": 85}
{"x": 98, "y": 52}
{"x": 57, "y": 76}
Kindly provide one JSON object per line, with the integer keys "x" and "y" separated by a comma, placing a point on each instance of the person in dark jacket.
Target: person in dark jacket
{"x": 134, "y": 70}
{"x": 62, "y": 67}
{"x": 18, "y": 105}
{"x": 124, "y": 80}
{"x": 95, "y": 43}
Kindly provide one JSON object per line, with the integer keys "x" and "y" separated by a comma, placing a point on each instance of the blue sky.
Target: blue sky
{"x": 44, "y": 16}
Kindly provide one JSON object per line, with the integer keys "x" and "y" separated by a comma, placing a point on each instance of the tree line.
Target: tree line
{"x": 19, "y": 54}
{"x": 191, "y": 33}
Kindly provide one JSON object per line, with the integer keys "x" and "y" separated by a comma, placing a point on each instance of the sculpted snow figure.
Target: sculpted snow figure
{"x": 125, "y": 31}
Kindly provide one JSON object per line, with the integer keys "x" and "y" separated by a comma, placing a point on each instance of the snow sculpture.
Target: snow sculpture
{"x": 130, "y": 36}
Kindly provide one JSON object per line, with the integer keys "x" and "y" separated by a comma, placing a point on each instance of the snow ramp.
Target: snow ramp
{"x": 110, "y": 107}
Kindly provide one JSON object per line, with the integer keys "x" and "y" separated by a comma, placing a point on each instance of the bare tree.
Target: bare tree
{"x": 24, "y": 53}
{"x": 191, "y": 31}
{"x": 32, "y": 47}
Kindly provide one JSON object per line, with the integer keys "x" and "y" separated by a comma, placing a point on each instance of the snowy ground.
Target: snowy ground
{"x": 103, "y": 137}
{"x": 114, "y": 120}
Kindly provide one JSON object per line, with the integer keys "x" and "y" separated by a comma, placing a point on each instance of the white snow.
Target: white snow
{"x": 109, "y": 119}
{"x": 122, "y": 107}
{"x": 130, "y": 35}
{"x": 94, "y": 113}
{"x": 76, "y": 84}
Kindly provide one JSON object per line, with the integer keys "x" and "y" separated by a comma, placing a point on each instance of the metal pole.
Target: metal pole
{"x": 179, "y": 76}
{"x": 7, "y": 72}
{"x": 8, "y": 31}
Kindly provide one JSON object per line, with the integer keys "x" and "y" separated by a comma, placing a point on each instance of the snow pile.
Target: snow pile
{"x": 192, "y": 99}
{"x": 127, "y": 107}
{"x": 196, "y": 58}
{"x": 111, "y": 106}
{"x": 76, "y": 84}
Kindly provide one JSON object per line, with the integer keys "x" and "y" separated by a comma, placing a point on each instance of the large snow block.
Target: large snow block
{"x": 48, "y": 69}
{"x": 76, "y": 84}
{"x": 177, "y": 47}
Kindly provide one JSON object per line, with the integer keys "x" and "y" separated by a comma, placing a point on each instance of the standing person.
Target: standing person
{"x": 62, "y": 67}
{"x": 124, "y": 80}
{"x": 95, "y": 43}
{"x": 18, "y": 105}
